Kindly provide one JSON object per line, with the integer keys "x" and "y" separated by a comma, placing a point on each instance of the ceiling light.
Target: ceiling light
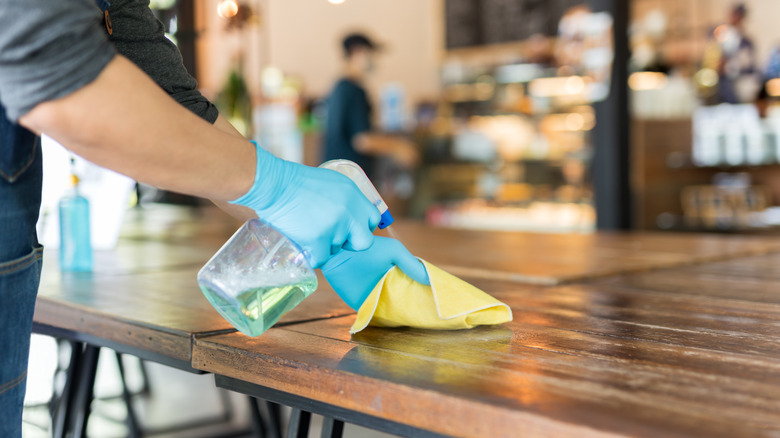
{"x": 227, "y": 8}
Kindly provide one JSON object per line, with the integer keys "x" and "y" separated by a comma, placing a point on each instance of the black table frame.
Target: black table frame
{"x": 72, "y": 409}
{"x": 333, "y": 414}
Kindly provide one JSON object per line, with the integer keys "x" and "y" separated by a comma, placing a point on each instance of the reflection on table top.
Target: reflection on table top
{"x": 557, "y": 258}
{"x": 191, "y": 226}
{"x": 763, "y": 268}
{"x": 606, "y": 357}
{"x": 163, "y": 236}
{"x": 147, "y": 284}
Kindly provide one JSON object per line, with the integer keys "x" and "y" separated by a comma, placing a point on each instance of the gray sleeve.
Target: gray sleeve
{"x": 139, "y": 36}
{"x": 48, "y": 49}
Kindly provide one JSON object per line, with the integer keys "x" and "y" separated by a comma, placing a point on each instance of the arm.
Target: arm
{"x": 140, "y": 37}
{"x": 399, "y": 149}
{"x": 237, "y": 211}
{"x": 60, "y": 76}
{"x": 158, "y": 141}
{"x": 357, "y": 112}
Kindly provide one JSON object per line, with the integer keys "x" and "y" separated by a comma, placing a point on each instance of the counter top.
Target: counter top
{"x": 551, "y": 259}
{"x": 600, "y": 359}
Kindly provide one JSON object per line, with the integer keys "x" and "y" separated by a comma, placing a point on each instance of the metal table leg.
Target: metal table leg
{"x": 274, "y": 419}
{"x": 299, "y": 424}
{"x": 258, "y": 425}
{"x": 83, "y": 398}
{"x": 266, "y": 418}
{"x": 133, "y": 428}
{"x": 61, "y": 411}
{"x": 332, "y": 428}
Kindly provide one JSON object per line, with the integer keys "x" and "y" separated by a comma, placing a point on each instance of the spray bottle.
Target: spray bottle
{"x": 75, "y": 243}
{"x": 259, "y": 274}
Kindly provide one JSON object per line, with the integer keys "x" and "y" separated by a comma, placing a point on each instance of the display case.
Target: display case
{"x": 511, "y": 146}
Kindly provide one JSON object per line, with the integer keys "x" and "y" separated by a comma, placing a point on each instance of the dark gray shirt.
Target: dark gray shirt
{"x": 349, "y": 114}
{"x": 51, "y": 48}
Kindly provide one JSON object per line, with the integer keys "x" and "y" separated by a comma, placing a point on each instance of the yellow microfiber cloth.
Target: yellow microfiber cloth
{"x": 449, "y": 303}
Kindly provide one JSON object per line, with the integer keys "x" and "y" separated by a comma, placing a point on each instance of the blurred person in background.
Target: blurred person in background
{"x": 731, "y": 53}
{"x": 348, "y": 128}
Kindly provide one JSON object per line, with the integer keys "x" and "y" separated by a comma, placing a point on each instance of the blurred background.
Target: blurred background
{"x": 551, "y": 116}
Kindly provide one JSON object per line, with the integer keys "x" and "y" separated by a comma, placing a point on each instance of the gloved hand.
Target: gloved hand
{"x": 353, "y": 274}
{"x": 321, "y": 210}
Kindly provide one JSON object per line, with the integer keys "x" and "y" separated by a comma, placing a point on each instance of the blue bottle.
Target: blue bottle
{"x": 75, "y": 244}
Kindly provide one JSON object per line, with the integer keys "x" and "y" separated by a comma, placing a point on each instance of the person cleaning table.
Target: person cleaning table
{"x": 103, "y": 81}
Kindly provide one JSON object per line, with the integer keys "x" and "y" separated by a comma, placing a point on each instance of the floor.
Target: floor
{"x": 176, "y": 398}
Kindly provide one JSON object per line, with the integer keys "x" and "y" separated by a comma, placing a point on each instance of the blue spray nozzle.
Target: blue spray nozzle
{"x": 354, "y": 172}
{"x": 386, "y": 220}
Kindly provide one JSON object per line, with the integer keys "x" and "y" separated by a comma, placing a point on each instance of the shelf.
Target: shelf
{"x": 552, "y": 162}
{"x": 726, "y": 167}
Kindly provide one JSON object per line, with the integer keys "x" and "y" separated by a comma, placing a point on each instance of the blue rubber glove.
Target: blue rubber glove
{"x": 321, "y": 210}
{"x": 353, "y": 274}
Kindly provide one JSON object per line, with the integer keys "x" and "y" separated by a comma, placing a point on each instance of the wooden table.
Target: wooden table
{"x": 552, "y": 259}
{"x": 143, "y": 299}
{"x": 149, "y": 313}
{"x": 687, "y": 349}
{"x": 154, "y": 315}
{"x": 617, "y": 357}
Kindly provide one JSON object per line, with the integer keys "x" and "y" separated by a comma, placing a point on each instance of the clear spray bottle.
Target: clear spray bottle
{"x": 259, "y": 274}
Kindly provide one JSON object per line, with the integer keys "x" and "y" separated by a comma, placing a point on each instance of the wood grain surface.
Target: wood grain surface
{"x": 689, "y": 350}
{"x": 155, "y": 311}
{"x": 761, "y": 268}
{"x": 144, "y": 293}
{"x": 551, "y": 259}
{"x": 616, "y": 356}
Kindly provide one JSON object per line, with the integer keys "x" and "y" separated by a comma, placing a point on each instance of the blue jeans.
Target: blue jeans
{"x": 20, "y": 264}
